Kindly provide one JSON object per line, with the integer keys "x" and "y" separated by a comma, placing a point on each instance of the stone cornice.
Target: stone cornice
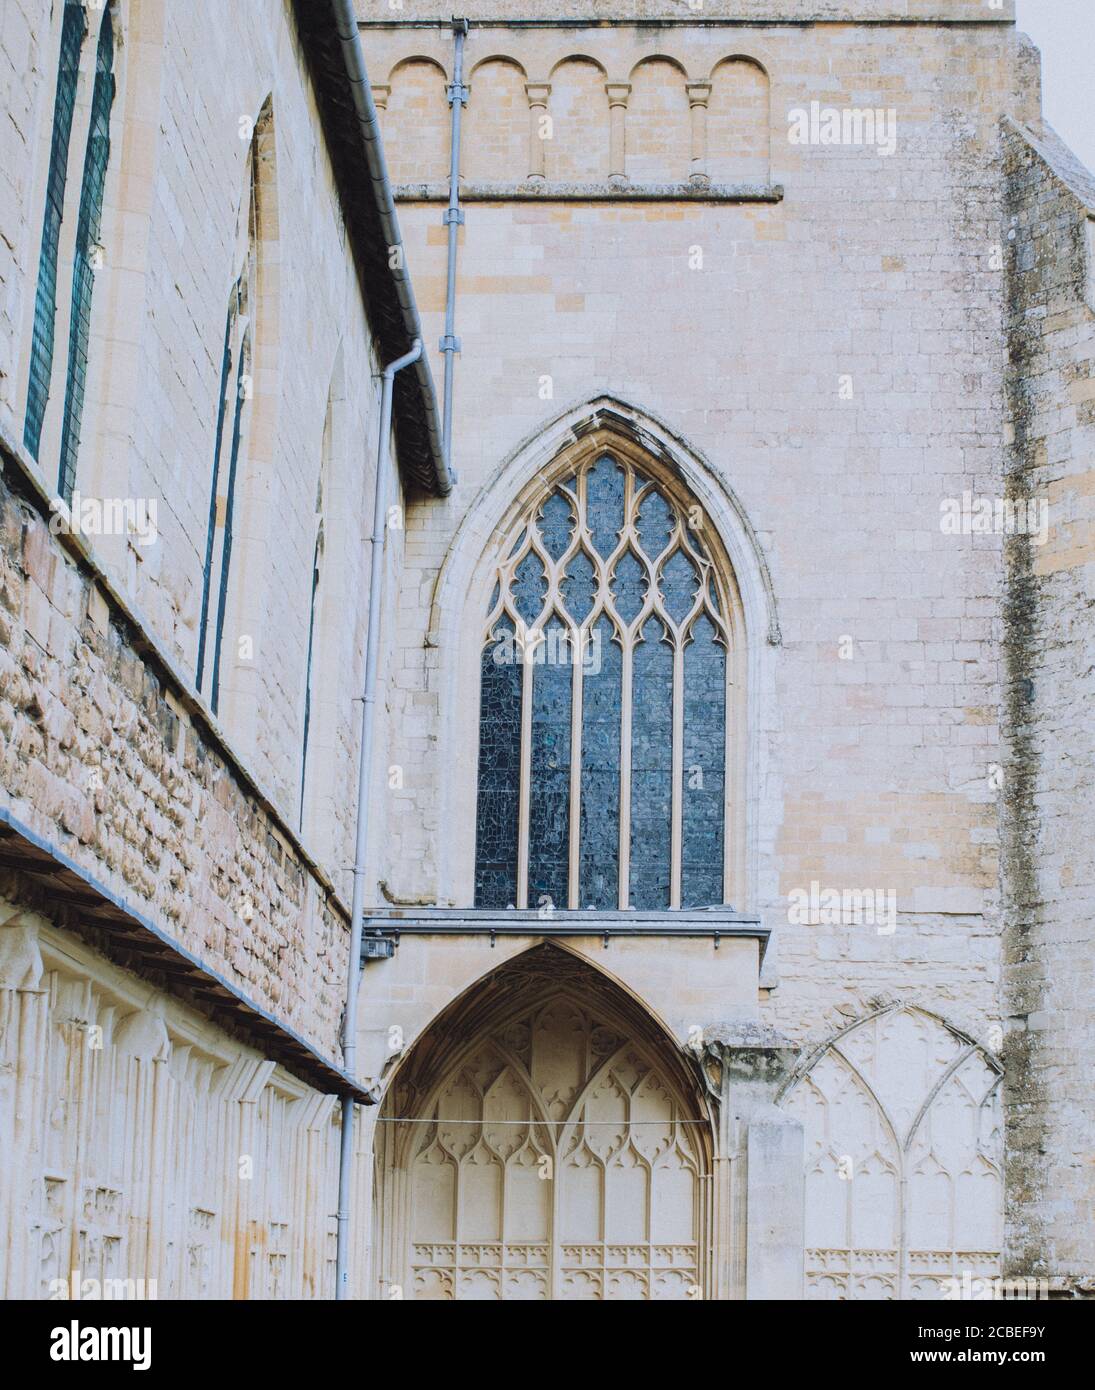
{"x": 583, "y": 13}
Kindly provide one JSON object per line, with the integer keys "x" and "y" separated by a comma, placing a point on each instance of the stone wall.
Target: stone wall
{"x": 164, "y": 1159}
{"x": 191, "y": 82}
{"x": 833, "y": 359}
{"x": 1049, "y": 965}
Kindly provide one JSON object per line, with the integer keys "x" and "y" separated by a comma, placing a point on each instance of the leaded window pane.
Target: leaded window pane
{"x": 704, "y": 789}
{"x": 549, "y": 792}
{"x": 499, "y": 770}
{"x": 599, "y": 847}
{"x": 651, "y": 768}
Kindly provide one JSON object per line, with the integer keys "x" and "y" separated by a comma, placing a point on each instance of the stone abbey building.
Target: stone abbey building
{"x": 719, "y": 645}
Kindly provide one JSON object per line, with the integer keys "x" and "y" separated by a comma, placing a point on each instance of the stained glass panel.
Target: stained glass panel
{"x": 556, "y": 524}
{"x": 549, "y": 789}
{"x": 600, "y": 806}
{"x": 499, "y": 772}
{"x": 679, "y": 583}
{"x": 704, "y": 772}
{"x": 651, "y": 768}
{"x": 605, "y": 505}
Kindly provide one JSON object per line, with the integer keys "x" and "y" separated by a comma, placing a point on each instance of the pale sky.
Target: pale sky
{"x": 1065, "y": 32}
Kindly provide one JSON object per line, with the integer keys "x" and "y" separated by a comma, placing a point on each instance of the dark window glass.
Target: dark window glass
{"x": 651, "y": 768}
{"x": 549, "y": 799}
{"x": 211, "y": 533}
{"x": 88, "y": 230}
{"x": 600, "y": 816}
{"x": 704, "y": 772}
{"x": 73, "y": 29}
{"x": 499, "y": 771}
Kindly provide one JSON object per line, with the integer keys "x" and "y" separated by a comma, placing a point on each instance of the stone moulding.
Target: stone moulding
{"x": 713, "y": 922}
{"x": 547, "y": 191}
{"x": 663, "y": 13}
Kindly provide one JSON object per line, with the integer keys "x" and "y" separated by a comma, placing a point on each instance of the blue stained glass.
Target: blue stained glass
{"x": 651, "y": 769}
{"x": 605, "y": 505}
{"x": 499, "y": 772}
{"x": 704, "y": 772}
{"x": 579, "y": 586}
{"x": 529, "y": 587}
{"x": 679, "y": 582}
{"x": 655, "y": 524}
{"x": 599, "y": 847}
{"x": 549, "y": 799}
{"x": 556, "y": 524}
{"x": 629, "y": 586}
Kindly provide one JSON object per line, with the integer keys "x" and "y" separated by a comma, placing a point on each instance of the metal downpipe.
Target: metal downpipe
{"x": 454, "y": 218}
{"x": 368, "y": 705}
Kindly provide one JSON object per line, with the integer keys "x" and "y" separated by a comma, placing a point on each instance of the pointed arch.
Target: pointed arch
{"x": 904, "y": 1088}
{"x": 544, "y": 1139}
{"x": 464, "y": 585}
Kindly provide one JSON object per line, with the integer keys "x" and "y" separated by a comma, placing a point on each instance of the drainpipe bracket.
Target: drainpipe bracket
{"x": 449, "y": 343}
{"x": 453, "y": 215}
{"x": 457, "y": 91}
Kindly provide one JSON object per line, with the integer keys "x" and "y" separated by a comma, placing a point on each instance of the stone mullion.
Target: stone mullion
{"x": 731, "y": 888}
{"x": 625, "y": 771}
{"x": 677, "y": 799}
{"x": 525, "y": 778}
{"x": 576, "y": 690}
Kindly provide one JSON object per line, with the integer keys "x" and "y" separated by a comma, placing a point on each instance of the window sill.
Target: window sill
{"x": 713, "y": 923}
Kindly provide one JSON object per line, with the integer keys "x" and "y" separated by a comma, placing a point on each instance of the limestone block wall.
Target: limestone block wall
{"x": 692, "y": 11}
{"x": 163, "y": 1159}
{"x": 1050, "y": 864}
{"x": 834, "y": 360}
{"x": 191, "y": 83}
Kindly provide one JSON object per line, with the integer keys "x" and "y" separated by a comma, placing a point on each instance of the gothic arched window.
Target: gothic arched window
{"x": 602, "y": 732}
